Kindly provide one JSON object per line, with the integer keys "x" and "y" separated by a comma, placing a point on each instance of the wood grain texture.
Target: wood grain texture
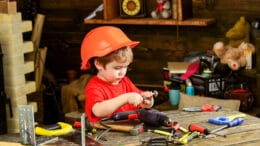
{"x": 64, "y": 29}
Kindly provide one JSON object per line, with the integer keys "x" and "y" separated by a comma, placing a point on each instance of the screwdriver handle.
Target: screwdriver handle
{"x": 195, "y": 127}
{"x": 127, "y": 115}
{"x": 225, "y": 120}
{"x": 233, "y": 123}
{"x": 231, "y": 118}
{"x": 188, "y": 137}
{"x": 236, "y": 122}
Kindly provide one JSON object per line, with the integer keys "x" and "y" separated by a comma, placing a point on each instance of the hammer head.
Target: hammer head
{"x": 136, "y": 130}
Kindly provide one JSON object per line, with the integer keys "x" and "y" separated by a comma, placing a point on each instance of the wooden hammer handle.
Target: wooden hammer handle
{"x": 122, "y": 128}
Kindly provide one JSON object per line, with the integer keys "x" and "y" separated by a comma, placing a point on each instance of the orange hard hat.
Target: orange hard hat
{"x": 101, "y": 41}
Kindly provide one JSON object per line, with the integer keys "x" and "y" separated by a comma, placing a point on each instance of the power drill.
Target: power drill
{"x": 149, "y": 116}
{"x": 153, "y": 117}
{"x": 128, "y": 115}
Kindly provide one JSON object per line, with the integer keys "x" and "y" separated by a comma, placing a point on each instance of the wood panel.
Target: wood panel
{"x": 64, "y": 30}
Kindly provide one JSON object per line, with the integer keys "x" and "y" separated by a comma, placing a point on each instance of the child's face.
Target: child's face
{"x": 113, "y": 72}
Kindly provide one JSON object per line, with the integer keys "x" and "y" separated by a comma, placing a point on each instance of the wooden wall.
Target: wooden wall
{"x": 64, "y": 30}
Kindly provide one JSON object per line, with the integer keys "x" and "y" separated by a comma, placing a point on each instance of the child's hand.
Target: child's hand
{"x": 134, "y": 98}
{"x": 148, "y": 100}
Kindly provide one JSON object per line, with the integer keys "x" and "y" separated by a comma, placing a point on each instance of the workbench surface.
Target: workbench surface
{"x": 245, "y": 134}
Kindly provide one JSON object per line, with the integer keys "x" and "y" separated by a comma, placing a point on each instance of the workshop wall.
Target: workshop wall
{"x": 64, "y": 30}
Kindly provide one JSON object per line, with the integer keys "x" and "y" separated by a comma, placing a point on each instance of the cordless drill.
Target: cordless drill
{"x": 149, "y": 116}
{"x": 128, "y": 115}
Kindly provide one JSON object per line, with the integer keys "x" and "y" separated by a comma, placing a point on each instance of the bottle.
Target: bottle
{"x": 189, "y": 88}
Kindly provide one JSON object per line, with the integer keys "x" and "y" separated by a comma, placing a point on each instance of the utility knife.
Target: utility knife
{"x": 203, "y": 108}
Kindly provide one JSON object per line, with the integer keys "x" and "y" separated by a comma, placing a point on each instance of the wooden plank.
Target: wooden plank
{"x": 8, "y": 7}
{"x": 150, "y": 21}
{"x": 178, "y": 67}
{"x": 111, "y": 9}
{"x": 3, "y": 143}
{"x": 181, "y": 9}
{"x": 68, "y": 4}
{"x": 244, "y": 134}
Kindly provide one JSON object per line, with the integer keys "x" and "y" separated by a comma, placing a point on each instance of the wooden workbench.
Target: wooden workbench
{"x": 245, "y": 134}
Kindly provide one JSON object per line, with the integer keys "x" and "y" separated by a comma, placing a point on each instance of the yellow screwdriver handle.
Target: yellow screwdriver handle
{"x": 162, "y": 132}
{"x": 188, "y": 137}
{"x": 231, "y": 118}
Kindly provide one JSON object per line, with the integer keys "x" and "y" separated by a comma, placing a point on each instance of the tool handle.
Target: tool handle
{"x": 236, "y": 122}
{"x": 231, "y": 118}
{"x": 193, "y": 135}
{"x": 219, "y": 120}
{"x": 162, "y": 132}
{"x": 188, "y": 137}
{"x": 128, "y": 115}
{"x": 225, "y": 120}
{"x": 195, "y": 127}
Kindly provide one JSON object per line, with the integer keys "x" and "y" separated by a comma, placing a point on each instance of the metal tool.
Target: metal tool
{"x": 203, "y": 108}
{"x": 188, "y": 137}
{"x": 157, "y": 142}
{"x": 86, "y": 140}
{"x": 232, "y": 123}
{"x": 128, "y": 115}
{"x": 94, "y": 13}
{"x": 150, "y": 117}
{"x": 162, "y": 132}
{"x": 202, "y": 130}
{"x": 222, "y": 120}
{"x": 26, "y": 124}
{"x": 83, "y": 135}
{"x": 155, "y": 94}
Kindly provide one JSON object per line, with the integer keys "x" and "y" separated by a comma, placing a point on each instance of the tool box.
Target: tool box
{"x": 213, "y": 86}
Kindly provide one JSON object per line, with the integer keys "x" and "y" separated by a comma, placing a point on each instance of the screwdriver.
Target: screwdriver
{"x": 232, "y": 123}
{"x": 202, "y": 130}
{"x": 224, "y": 120}
{"x": 188, "y": 137}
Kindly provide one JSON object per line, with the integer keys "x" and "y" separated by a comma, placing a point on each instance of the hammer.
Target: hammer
{"x": 133, "y": 130}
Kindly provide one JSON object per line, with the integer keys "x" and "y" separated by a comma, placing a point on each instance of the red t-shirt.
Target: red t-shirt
{"x": 98, "y": 90}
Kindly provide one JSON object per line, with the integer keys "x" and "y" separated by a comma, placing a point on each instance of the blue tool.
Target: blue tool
{"x": 225, "y": 120}
{"x": 232, "y": 123}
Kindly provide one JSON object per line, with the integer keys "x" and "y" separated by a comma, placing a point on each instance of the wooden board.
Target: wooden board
{"x": 8, "y": 7}
{"x": 246, "y": 133}
{"x": 181, "y": 9}
{"x": 178, "y": 67}
{"x": 2, "y": 143}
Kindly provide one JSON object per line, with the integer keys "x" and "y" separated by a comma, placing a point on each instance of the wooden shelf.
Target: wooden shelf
{"x": 183, "y": 11}
{"x": 150, "y": 21}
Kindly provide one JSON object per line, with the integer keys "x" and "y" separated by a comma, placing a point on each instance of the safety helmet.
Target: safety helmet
{"x": 101, "y": 41}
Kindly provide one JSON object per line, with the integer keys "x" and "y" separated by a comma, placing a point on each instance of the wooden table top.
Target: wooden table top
{"x": 245, "y": 134}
